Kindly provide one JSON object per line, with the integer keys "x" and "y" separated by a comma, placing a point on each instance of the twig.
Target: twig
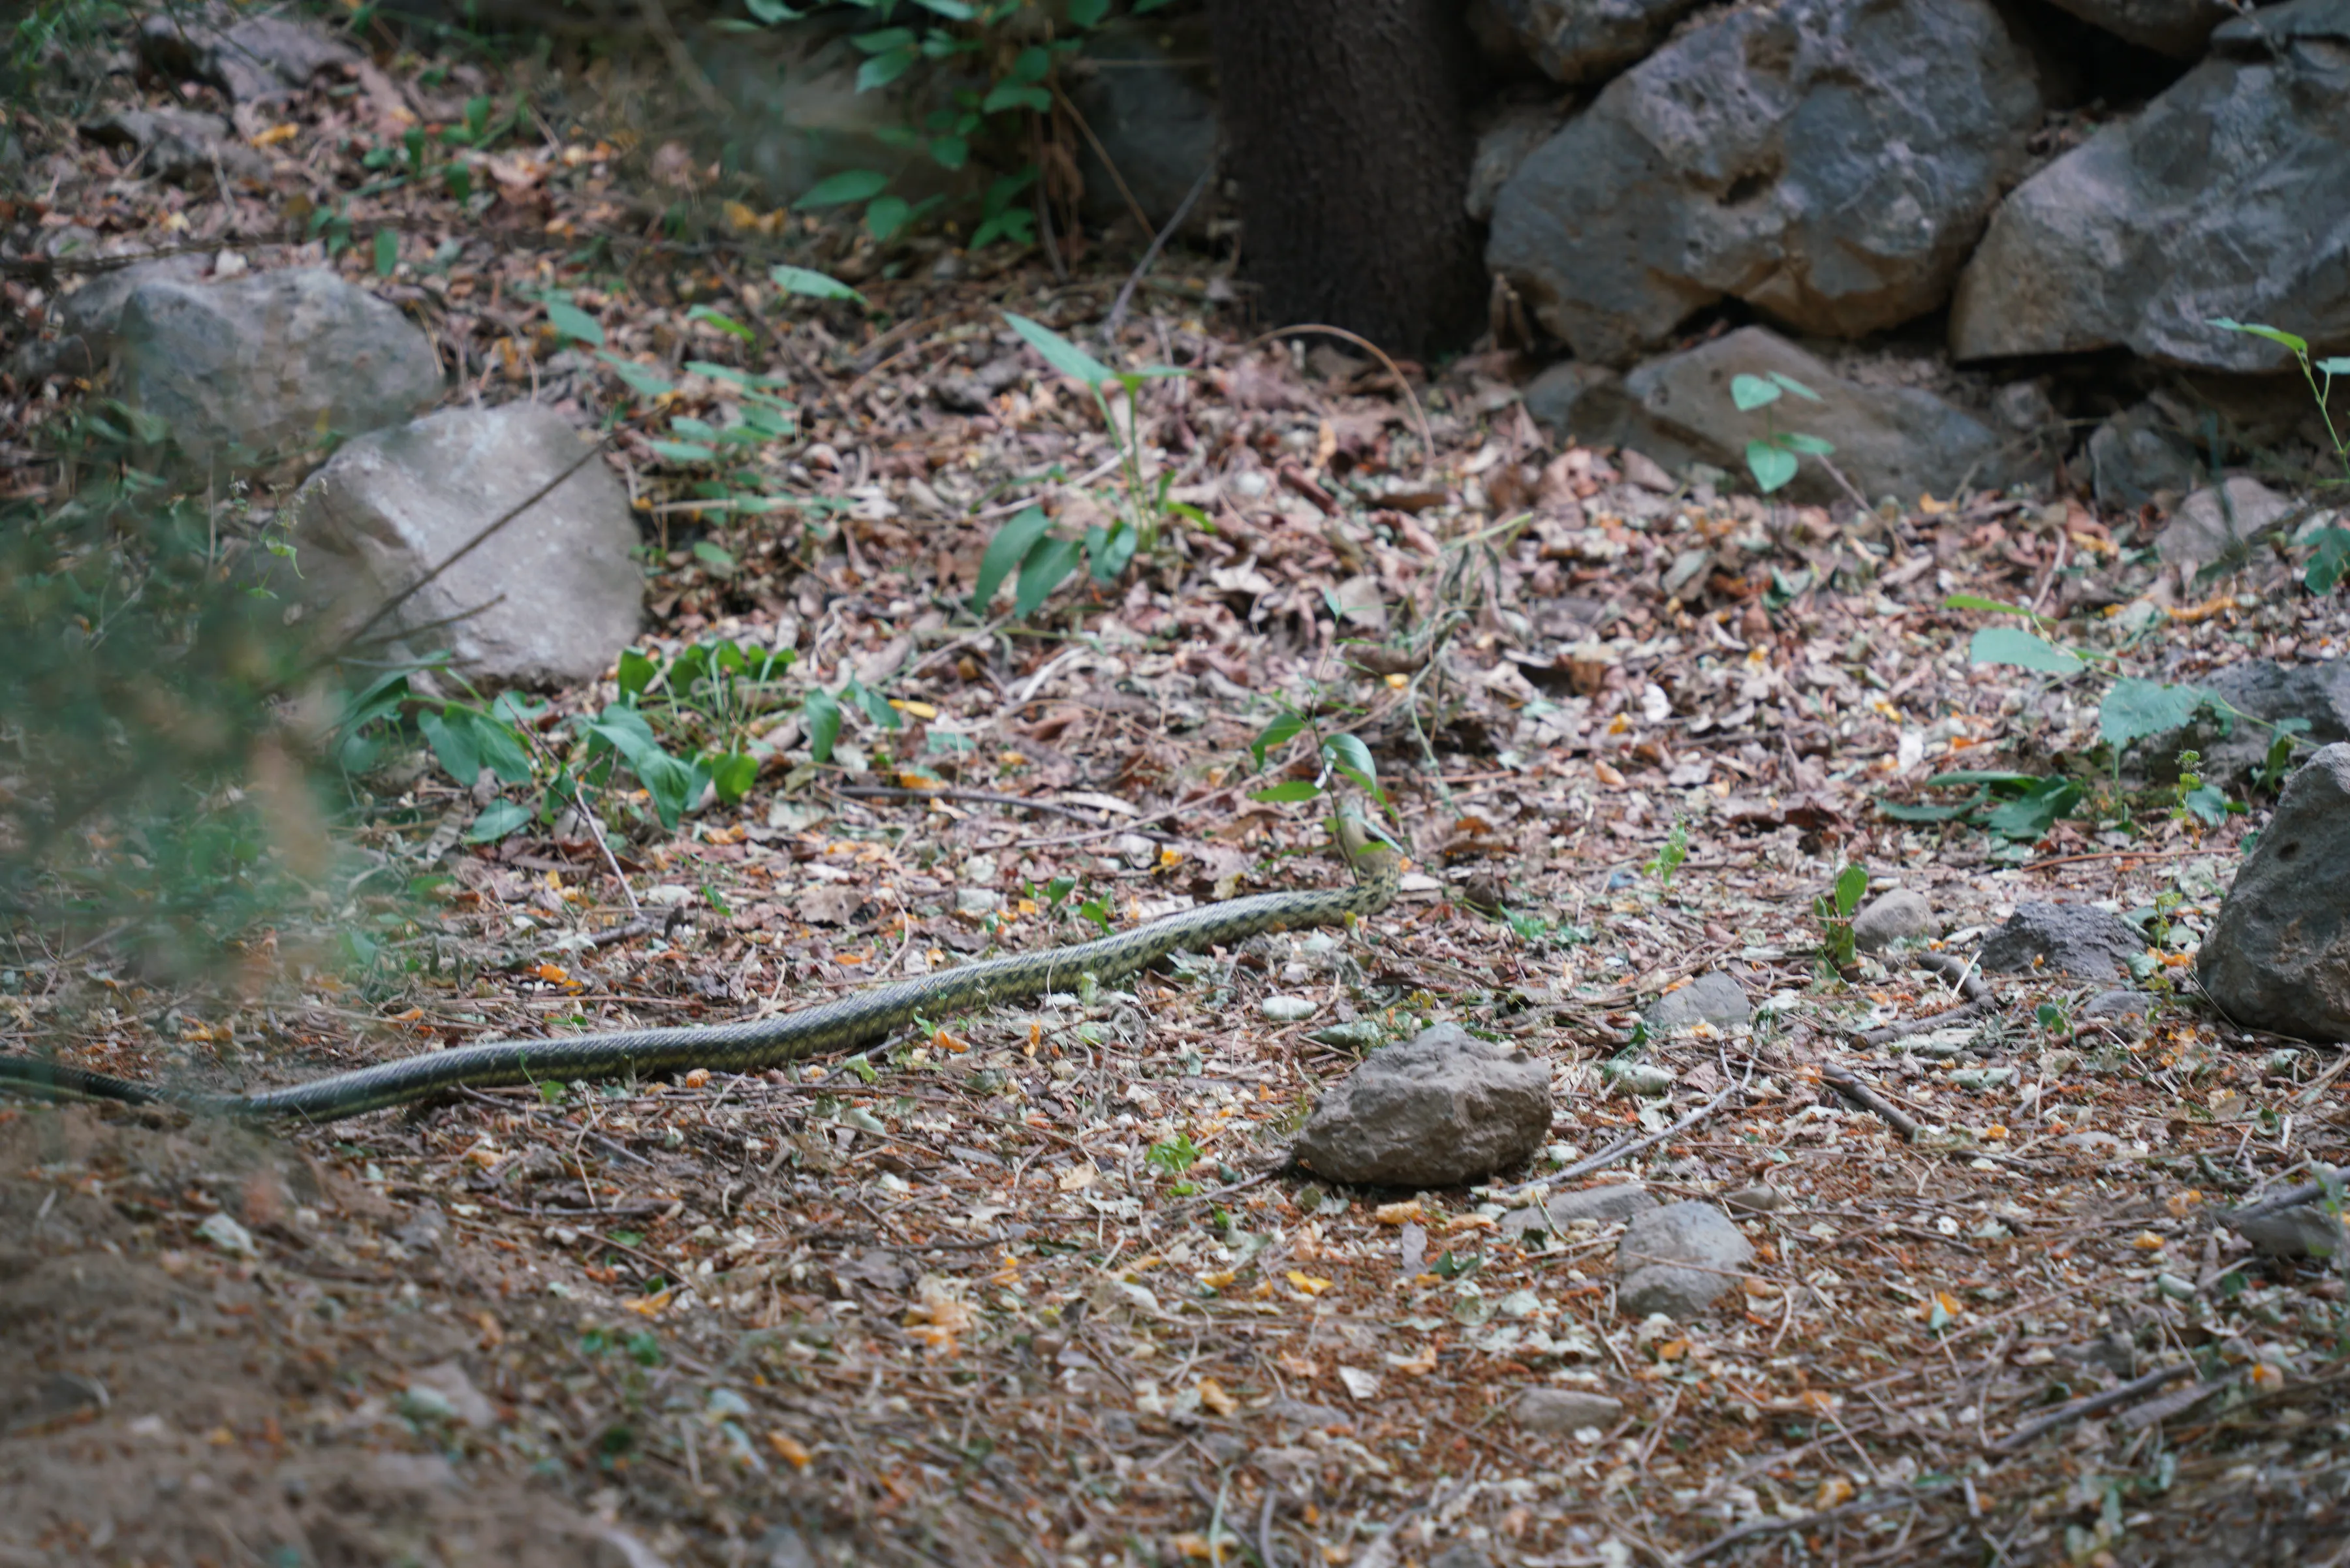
{"x": 1869, "y": 1099}
{"x": 2291, "y": 1198}
{"x": 2094, "y": 1405}
{"x": 2120, "y": 854}
{"x": 1978, "y": 1000}
{"x": 1609, "y": 1156}
{"x": 1126, "y": 296}
{"x": 1808, "y": 1520}
{"x": 983, "y": 796}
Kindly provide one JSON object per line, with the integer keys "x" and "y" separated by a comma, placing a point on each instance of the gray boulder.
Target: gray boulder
{"x": 2278, "y": 956}
{"x": 1677, "y": 1259}
{"x": 180, "y": 145}
{"x": 1617, "y": 1200}
{"x": 1828, "y": 161}
{"x": 86, "y": 319}
{"x": 1577, "y": 41}
{"x": 1901, "y": 915}
{"x": 1889, "y": 440}
{"x": 2140, "y": 453}
{"x": 2062, "y": 939}
{"x": 1504, "y": 143}
{"x": 1565, "y": 1410}
{"x": 2303, "y": 1231}
{"x": 1438, "y": 1110}
{"x": 2215, "y": 201}
{"x": 550, "y": 599}
{"x": 2233, "y": 750}
{"x": 2174, "y": 27}
{"x": 266, "y": 365}
{"x": 2216, "y": 525}
{"x": 1712, "y": 998}
{"x": 253, "y": 60}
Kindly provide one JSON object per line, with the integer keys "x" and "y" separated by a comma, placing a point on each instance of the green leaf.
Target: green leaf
{"x": 950, "y": 152}
{"x": 1991, "y": 777}
{"x": 682, "y": 451}
{"x": 574, "y": 323}
{"x": 1795, "y": 385}
{"x": 2137, "y": 708}
{"x": 721, "y": 320}
{"x": 2298, "y": 345}
{"x": 644, "y": 382}
{"x": 839, "y": 190}
{"x": 2208, "y": 804}
{"x": 1752, "y": 392}
{"x": 1015, "y": 94}
{"x": 1048, "y": 566}
{"x": 2031, "y": 814}
{"x": 2336, "y": 367}
{"x": 1851, "y": 884}
{"x": 1286, "y": 791}
{"x": 882, "y": 69}
{"x": 387, "y": 252}
{"x": 771, "y": 11}
{"x": 501, "y": 750}
{"x": 1771, "y": 466}
{"x": 1007, "y": 550}
{"x": 884, "y": 40}
{"x": 2331, "y": 559}
{"x": 1110, "y": 553}
{"x": 720, "y": 560}
{"x": 1088, "y": 13}
{"x": 1279, "y": 733}
{"x": 1810, "y": 445}
{"x": 636, "y": 672}
{"x": 952, "y": 10}
{"x": 1898, "y": 811}
{"x": 2006, "y": 645}
{"x": 809, "y": 281}
{"x": 820, "y": 717}
{"x": 733, "y": 776}
{"x": 885, "y": 215}
{"x": 1061, "y": 354}
{"x": 1977, "y": 602}
{"x": 450, "y": 733}
{"x": 1351, "y": 757}
{"x": 497, "y": 820}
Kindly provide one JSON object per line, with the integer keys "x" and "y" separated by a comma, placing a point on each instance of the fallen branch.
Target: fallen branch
{"x": 1614, "y": 1152}
{"x": 1753, "y": 1528}
{"x": 1869, "y": 1099}
{"x": 1977, "y": 1002}
{"x": 2097, "y": 1404}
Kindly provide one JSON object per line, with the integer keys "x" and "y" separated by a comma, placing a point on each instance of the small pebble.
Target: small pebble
{"x": 1286, "y": 1009}
{"x": 228, "y": 1236}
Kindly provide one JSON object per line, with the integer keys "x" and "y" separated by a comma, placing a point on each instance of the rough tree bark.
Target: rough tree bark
{"x": 1348, "y": 130}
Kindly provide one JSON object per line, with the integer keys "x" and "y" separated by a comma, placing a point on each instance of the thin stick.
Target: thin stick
{"x": 1609, "y": 1156}
{"x": 982, "y": 796}
{"x": 1126, "y": 296}
{"x": 2094, "y": 1405}
{"x": 1869, "y": 1099}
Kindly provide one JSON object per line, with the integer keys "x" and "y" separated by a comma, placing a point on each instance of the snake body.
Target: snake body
{"x": 858, "y": 1018}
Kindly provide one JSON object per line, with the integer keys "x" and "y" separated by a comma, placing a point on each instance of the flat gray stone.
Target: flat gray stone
{"x": 2209, "y": 202}
{"x": 1712, "y": 998}
{"x": 2305, "y": 1230}
{"x": 2219, "y": 523}
{"x": 184, "y": 146}
{"x": 253, "y": 60}
{"x": 2118, "y": 1004}
{"x": 1437, "y": 1110}
{"x": 1677, "y": 1259}
{"x": 2062, "y": 939}
{"x": 1904, "y": 914}
{"x": 264, "y": 367}
{"x": 1552, "y": 1410}
{"x": 1801, "y": 157}
{"x": 550, "y": 599}
{"x": 2139, "y": 454}
{"x": 2278, "y": 955}
{"x": 1614, "y": 1200}
{"x": 1760, "y": 1198}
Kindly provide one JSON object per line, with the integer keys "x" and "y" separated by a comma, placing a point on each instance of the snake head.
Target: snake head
{"x": 1366, "y": 844}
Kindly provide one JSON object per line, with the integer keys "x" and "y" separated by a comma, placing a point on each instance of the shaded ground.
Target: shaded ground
{"x": 1019, "y": 1288}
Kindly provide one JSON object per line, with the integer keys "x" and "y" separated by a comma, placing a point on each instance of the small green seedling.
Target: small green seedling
{"x": 1772, "y": 457}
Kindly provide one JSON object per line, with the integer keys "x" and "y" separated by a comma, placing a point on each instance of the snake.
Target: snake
{"x": 856, "y": 1019}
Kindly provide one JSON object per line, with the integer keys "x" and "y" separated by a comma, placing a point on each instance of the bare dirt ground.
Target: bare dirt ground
{"x": 1035, "y": 1286}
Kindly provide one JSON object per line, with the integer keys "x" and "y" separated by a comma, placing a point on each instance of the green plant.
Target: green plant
{"x": 1771, "y": 456}
{"x": 2330, "y": 555}
{"x": 1174, "y": 1157}
{"x": 2206, "y": 803}
{"x": 1026, "y": 544}
{"x": 1835, "y": 909}
{"x": 1670, "y": 855}
{"x": 1341, "y": 754}
{"x": 995, "y": 67}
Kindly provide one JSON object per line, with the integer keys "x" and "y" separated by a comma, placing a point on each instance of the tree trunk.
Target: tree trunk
{"x": 1347, "y": 127}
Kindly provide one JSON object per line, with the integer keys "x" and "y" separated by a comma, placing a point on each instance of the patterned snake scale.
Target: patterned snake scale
{"x": 856, "y": 1019}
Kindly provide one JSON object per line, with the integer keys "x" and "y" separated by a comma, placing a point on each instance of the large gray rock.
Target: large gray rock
{"x": 2062, "y": 939}
{"x": 85, "y": 320}
{"x": 2230, "y": 750}
{"x": 1712, "y": 998}
{"x": 1503, "y": 144}
{"x": 2278, "y": 956}
{"x": 1677, "y": 1259}
{"x": 1827, "y": 161}
{"x": 184, "y": 146}
{"x": 1565, "y": 1410}
{"x": 1438, "y": 1110}
{"x": 1899, "y": 914}
{"x": 2305, "y": 1230}
{"x": 2217, "y": 525}
{"x": 2174, "y": 27}
{"x": 2222, "y": 198}
{"x": 1617, "y": 1200}
{"x": 1577, "y": 41}
{"x": 1152, "y": 105}
{"x": 550, "y": 599}
{"x": 2139, "y": 453}
{"x": 271, "y": 365}
{"x": 1889, "y": 440}
{"x": 253, "y": 60}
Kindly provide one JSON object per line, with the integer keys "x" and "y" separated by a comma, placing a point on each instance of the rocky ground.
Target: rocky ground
{"x": 1765, "y": 1275}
